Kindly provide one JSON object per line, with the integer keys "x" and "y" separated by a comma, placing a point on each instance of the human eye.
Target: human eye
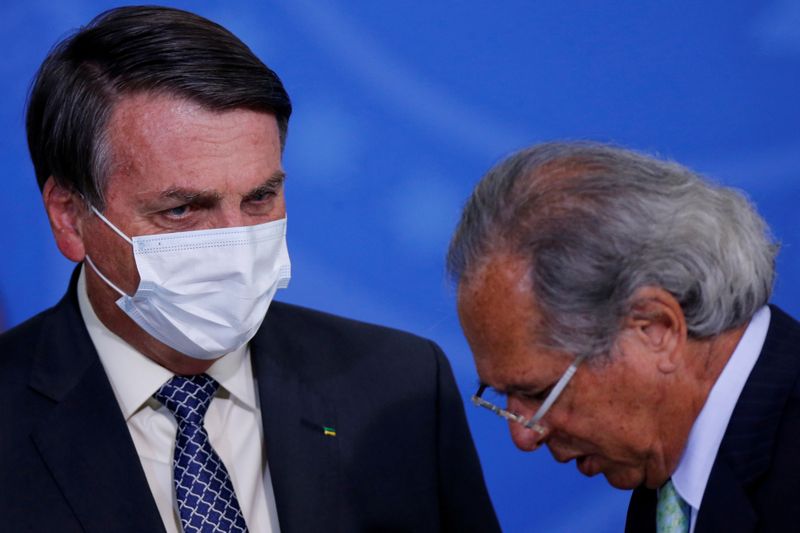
{"x": 535, "y": 395}
{"x": 262, "y": 201}
{"x": 261, "y": 196}
{"x": 178, "y": 212}
{"x": 178, "y": 217}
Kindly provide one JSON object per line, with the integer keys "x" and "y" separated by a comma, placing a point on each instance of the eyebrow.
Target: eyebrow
{"x": 191, "y": 196}
{"x": 208, "y": 198}
{"x": 273, "y": 182}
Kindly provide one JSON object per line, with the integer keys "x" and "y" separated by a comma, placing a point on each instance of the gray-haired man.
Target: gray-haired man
{"x": 649, "y": 285}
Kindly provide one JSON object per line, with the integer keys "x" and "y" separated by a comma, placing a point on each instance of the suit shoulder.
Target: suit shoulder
{"x": 326, "y": 344}
{"x": 322, "y": 323}
{"x": 18, "y": 344}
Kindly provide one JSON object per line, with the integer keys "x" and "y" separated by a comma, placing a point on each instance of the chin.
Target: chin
{"x": 626, "y": 479}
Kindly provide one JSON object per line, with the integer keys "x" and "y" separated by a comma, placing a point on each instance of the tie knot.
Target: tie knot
{"x": 188, "y": 397}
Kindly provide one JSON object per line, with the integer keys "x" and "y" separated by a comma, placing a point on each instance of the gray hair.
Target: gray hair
{"x": 595, "y": 223}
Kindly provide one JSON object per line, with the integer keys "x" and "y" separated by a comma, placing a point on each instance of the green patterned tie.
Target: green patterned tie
{"x": 672, "y": 513}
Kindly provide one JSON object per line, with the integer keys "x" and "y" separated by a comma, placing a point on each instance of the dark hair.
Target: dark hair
{"x": 132, "y": 50}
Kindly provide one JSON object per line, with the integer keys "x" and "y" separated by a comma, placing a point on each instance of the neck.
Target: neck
{"x": 704, "y": 361}
{"x": 102, "y": 299}
{"x": 708, "y": 357}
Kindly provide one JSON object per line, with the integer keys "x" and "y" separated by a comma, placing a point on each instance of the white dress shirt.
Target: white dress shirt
{"x": 233, "y": 422}
{"x": 691, "y": 476}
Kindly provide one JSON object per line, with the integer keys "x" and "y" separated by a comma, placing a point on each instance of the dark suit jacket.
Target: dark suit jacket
{"x": 402, "y": 458}
{"x": 755, "y": 481}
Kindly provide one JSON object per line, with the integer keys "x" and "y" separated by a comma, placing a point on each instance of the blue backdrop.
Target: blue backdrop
{"x": 399, "y": 109}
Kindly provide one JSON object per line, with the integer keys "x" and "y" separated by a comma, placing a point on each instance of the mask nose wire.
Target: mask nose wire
{"x": 89, "y": 259}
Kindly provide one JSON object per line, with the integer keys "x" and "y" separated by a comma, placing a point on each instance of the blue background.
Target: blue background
{"x": 401, "y": 106}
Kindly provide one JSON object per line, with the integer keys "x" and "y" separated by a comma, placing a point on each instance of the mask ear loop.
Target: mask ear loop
{"x": 110, "y": 225}
{"x": 97, "y": 271}
{"x": 89, "y": 259}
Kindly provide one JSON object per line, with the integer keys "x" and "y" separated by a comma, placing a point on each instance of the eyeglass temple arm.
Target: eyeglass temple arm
{"x": 555, "y": 393}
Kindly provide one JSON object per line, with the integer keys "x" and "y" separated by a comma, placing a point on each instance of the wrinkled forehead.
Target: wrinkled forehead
{"x": 153, "y": 133}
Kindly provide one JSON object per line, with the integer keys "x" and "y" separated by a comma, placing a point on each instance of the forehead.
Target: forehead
{"x": 495, "y": 297}
{"x": 167, "y": 140}
{"x": 500, "y": 319}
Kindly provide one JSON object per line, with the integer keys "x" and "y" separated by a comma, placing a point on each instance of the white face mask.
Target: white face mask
{"x": 205, "y": 293}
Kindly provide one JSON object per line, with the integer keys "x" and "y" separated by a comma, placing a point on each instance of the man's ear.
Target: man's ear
{"x": 657, "y": 324}
{"x": 65, "y": 210}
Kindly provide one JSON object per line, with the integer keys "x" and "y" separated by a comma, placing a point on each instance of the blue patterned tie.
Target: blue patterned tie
{"x": 204, "y": 491}
{"x": 672, "y": 512}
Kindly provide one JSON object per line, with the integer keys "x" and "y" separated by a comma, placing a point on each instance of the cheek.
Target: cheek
{"x": 594, "y": 429}
{"x": 125, "y": 265}
{"x": 114, "y": 257}
{"x": 630, "y": 427}
{"x": 618, "y": 440}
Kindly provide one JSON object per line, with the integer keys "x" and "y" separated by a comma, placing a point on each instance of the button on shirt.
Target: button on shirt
{"x": 233, "y": 422}
{"x": 691, "y": 476}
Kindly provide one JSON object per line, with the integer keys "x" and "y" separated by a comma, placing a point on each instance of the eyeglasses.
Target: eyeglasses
{"x": 533, "y": 422}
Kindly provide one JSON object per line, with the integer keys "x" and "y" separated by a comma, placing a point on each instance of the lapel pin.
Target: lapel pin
{"x": 329, "y": 431}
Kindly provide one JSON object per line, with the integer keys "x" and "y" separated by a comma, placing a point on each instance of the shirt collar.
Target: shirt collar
{"x": 691, "y": 476}
{"x": 234, "y": 373}
{"x": 134, "y": 377}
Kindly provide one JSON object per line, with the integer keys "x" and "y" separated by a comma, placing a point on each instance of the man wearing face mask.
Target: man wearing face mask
{"x": 161, "y": 394}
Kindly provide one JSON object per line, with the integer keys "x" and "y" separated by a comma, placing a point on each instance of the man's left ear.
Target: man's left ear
{"x": 657, "y": 324}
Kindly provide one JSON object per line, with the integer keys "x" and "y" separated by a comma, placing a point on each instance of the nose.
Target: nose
{"x": 527, "y": 440}
{"x": 229, "y": 217}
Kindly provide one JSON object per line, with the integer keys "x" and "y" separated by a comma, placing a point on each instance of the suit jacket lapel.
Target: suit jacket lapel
{"x": 745, "y": 452}
{"x": 303, "y": 457}
{"x": 725, "y": 505}
{"x": 641, "y": 512}
{"x": 84, "y": 440}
